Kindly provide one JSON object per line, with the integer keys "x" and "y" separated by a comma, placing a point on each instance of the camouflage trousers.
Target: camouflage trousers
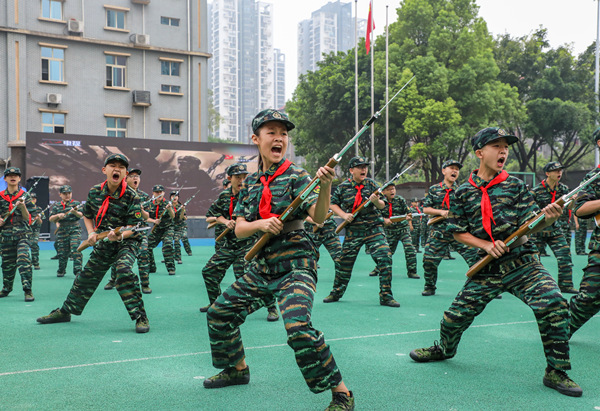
{"x": 214, "y": 271}
{"x": 164, "y": 234}
{"x": 377, "y": 244}
{"x": 180, "y": 236}
{"x": 437, "y": 247}
{"x": 568, "y": 235}
{"x": 410, "y": 255}
{"x": 561, "y": 251}
{"x": 34, "y": 238}
{"x": 142, "y": 262}
{"x": 295, "y": 294}
{"x": 15, "y": 254}
{"x": 580, "y": 237}
{"x": 331, "y": 241}
{"x": 105, "y": 254}
{"x": 586, "y": 304}
{"x": 527, "y": 279}
{"x": 69, "y": 238}
{"x": 415, "y": 234}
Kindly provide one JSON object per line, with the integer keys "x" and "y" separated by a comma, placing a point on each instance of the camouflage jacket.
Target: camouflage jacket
{"x": 143, "y": 198}
{"x": 417, "y": 220}
{"x": 157, "y": 208}
{"x": 328, "y": 228}
{"x": 399, "y": 207}
{"x": 543, "y": 197}
{"x": 434, "y": 198}
{"x": 36, "y": 224}
{"x": 180, "y": 215}
{"x": 122, "y": 211}
{"x": 71, "y": 218}
{"x": 512, "y": 205}
{"x": 14, "y": 225}
{"x": 590, "y": 193}
{"x": 285, "y": 251}
{"x": 344, "y": 196}
{"x": 220, "y": 208}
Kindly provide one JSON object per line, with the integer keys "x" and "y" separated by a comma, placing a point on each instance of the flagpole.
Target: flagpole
{"x": 372, "y": 95}
{"x": 387, "y": 108}
{"x": 356, "y": 73}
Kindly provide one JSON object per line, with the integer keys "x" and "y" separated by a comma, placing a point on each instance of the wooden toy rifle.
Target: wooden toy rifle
{"x": 145, "y": 203}
{"x": 67, "y": 212}
{"x": 103, "y": 236}
{"x": 315, "y": 181}
{"x": 399, "y": 218}
{"x": 368, "y": 201}
{"x": 529, "y": 225}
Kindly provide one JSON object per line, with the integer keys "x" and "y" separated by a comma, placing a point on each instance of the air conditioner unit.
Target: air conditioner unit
{"x": 141, "y": 39}
{"x": 141, "y": 1}
{"x": 53, "y": 98}
{"x": 141, "y": 98}
{"x": 75, "y": 26}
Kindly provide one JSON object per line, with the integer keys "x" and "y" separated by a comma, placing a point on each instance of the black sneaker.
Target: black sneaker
{"x": 414, "y": 275}
{"x": 560, "y": 381}
{"x": 205, "y": 308}
{"x": 55, "y": 316}
{"x": 36, "y": 267}
{"x": 331, "y": 298}
{"x": 146, "y": 290}
{"x": 109, "y": 285}
{"x": 4, "y": 293}
{"x": 373, "y": 273}
{"x": 60, "y": 274}
{"x": 142, "y": 325}
{"x": 390, "y": 303}
{"x": 273, "y": 315}
{"x": 341, "y": 401}
{"x": 171, "y": 272}
{"x": 433, "y": 353}
{"x": 54, "y": 258}
{"x": 229, "y": 376}
{"x": 427, "y": 292}
{"x": 29, "y": 296}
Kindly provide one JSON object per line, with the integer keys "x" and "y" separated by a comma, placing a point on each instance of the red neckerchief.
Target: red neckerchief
{"x": 419, "y": 211}
{"x": 264, "y": 207}
{"x": 551, "y": 192}
{"x": 104, "y": 207}
{"x": 570, "y": 213}
{"x": 487, "y": 216}
{"x": 64, "y": 205}
{"x": 11, "y": 199}
{"x": 447, "y": 196}
{"x": 231, "y": 198}
{"x": 390, "y": 210}
{"x": 154, "y": 202}
{"x": 358, "y": 197}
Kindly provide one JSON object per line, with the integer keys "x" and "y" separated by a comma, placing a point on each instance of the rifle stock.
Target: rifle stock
{"x": 403, "y": 217}
{"x": 211, "y": 225}
{"x": 101, "y": 236}
{"x": 597, "y": 220}
{"x": 435, "y": 220}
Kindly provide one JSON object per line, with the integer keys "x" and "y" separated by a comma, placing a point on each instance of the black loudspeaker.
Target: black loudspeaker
{"x": 42, "y": 191}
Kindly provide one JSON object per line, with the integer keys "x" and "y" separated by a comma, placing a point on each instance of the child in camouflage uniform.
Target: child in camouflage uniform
{"x": 285, "y": 268}
{"x": 109, "y": 205}
{"x": 15, "y": 232}
{"x": 438, "y": 201}
{"x": 232, "y": 249}
{"x": 586, "y": 303}
{"x": 547, "y": 192}
{"x": 179, "y": 228}
{"x": 68, "y": 235}
{"x": 416, "y": 225}
{"x": 133, "y": 180}
{"x": 161, "y": 215}
{"x": 36, "y": 224}
{"x": 398, "y": 232}
{"x": 364, "y": 229}
{"x": 487, "y": 209}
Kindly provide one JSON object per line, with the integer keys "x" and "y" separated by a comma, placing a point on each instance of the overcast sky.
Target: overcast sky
{"x": 568, "y": 22}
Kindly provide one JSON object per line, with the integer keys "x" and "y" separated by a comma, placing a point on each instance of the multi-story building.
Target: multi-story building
{"x": 242, "y": 72}
{"x": 279, "y": 79}
{"x": 330, "y": 29}
{"x": 120, "y": 68}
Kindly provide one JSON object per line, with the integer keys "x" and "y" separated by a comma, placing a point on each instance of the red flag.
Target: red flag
{"x": 370, "y": 28}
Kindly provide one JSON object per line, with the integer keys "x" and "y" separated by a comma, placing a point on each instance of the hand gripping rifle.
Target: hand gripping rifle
{"x": 145, "y": 203}
{"x": 367, "y": 202}
{"x": 315, "y": 181}
{"x": 76, "y": 208}
{"x": 163, "y": 213}
{"x": 103, "y": 236}
{"x": 529, "y": 225}
{"x": 399, "y": 218}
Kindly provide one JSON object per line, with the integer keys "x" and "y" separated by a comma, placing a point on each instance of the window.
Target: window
{"x": 115, "y": 19}
{"x": 116, "y": 127}
{"x": 170, "y": 127}
{"x": 169, "y": 68}
{"x": 52, "y": 9}
{"x": 53, "y": 60}
{"x": 168, "y": 88}
{"x": 116, "y": 71}
{"x": 53, "y": 123}
{"x": 169, "y": 21}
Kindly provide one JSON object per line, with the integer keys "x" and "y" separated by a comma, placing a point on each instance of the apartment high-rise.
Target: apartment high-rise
{"x": 330, "y": 29}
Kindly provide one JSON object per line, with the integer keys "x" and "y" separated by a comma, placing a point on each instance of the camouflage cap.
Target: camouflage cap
{"x": 117, "y": 157}
{"x": 174, "y": 193}
{"x": 158, "y": 188}
{"x": 489, "y": 134}
{"x": 135, "y": 170}
{"x": 358, "y": 161}
{"x": 12, "y": 170}
{"x": 236, "y": 169}
{"x": 226, "y": 182}
{"x": 449, "y": 163}
{"x": 271, "y": 115}
{"x": 553, "y": 166}
{"x": 64, "y": 189}
{"x": 596, "y": 135}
